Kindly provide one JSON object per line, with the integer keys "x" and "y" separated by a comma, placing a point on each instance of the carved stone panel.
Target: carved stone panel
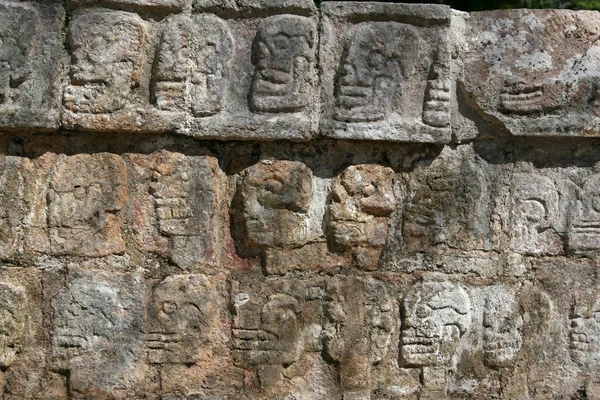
{"x": 13, "y": 325}
{"x": 275, "y": 199}
{"x": 584, "y": 336}
{"x": 184, "y": 308}
{"x": 30, "y": 61}
{"x": 12, "y": 188}
{"x": 193, "y": 65}
{"x": 584, "y": 230}
{"x": 271, "y": 93}
{"x": 97, "y": 329}
{"x": 274, "y": 323}
{"x": 362, "y": 199}
{"x": 358, "y": 330}
{"x": 447, "y": 206}
{"x": 517, "y": 75}
{"x": 176, "y": 206}
{"x": 534, "y": 215}
{"x": 386, "y": 80}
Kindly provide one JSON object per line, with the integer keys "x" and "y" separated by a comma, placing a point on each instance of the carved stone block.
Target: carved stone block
{"x": 448, "y": 204}
{"x": 185, "y": 311}
{"x": 176, "y": 206}
{"x": 31, "y": 56}
{"x": 362, "y": 199}
{"x": 386, "y": 80}
{"x": 193, "y": 65}
{"x": 358, "y": 330}
{"x": 271, "y": 93}
{"x": 13, "y": 325}
{"x": 534, "y": 215}
{"x": 275, "y": 199}
{"x": 584, "y": 230}
{"x": 584, "y": 336}
{"x": 74, "y": 204}
{"x": 97, "y": 329}
{"x": 274, "y": 323}
{"x": 516, "y": 74}
{"x": 12, "y": 188}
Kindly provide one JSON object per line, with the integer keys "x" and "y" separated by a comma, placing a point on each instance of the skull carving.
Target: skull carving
{"x": 503, "y": 328}
{"x": 434, "y": 317}
{"x": 585, "y": 229}
{"x": 282, "y": 55}
{"x": 584, "y": 336}
{"x": 106, "y": 60}
{"x": 378, "y": 58}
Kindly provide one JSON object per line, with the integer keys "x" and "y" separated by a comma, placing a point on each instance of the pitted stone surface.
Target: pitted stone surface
{"x": 256, "y": 199}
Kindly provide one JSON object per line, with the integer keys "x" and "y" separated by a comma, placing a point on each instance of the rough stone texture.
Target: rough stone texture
{"x": 386, "y": 80}
{"x": 31, "y": 61}
{"x": 516, "y": 75}
{"x": 451, "y": 250}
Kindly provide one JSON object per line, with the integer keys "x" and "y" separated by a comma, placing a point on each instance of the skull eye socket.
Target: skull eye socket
{"x": 281, "y": 42}
{"x": 376, "y": 61}
{"x": 422, "y": 311}
{"x": 169, "y": 307}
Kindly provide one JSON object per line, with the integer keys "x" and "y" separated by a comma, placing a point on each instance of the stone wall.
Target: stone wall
{"x": 256, "y": 199}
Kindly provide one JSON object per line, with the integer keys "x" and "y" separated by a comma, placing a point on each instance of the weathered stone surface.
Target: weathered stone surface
{"x": 271, "y": 91}
{"x": 275, "y": 199}
{"x": 255, "y": 6}
{"x": 516, "y": 75}
{"x": 80, "y": 213}
{"x": 144, "y": 5}
{"x": 386, "y": 80}
{"x": 176, "y": 207}
{"x": 12, "y": 189}
{"x": 97, "y": 331}
{"x": 31, "y": 58}
{"x": 362, "y": 199}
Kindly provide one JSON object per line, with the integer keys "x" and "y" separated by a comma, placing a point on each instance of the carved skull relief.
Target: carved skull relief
{"x": 434, "y": 317}
{"x": 502, "y": 328}
{"x": 283, "y": 53}
{"x": 276, "y": 197}
{"x": 106, "y": 60}
{"x": 378, "y": 58}
{"x": 585, "y": 227}
{"x": 196, "y": 53}
{"x": 584, "y": 336}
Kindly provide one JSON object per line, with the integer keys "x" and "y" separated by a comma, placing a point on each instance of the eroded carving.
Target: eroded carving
{"x": 12, "y": 187}
{"x": 18, "y": 32}
{"x": 584, "y": 336}
{"x": 273, "y": 325}
{"x": 276, "y": 197}
{"x": 362, "y": 199}
{"x": 434, "y": 317}
{"x": 534, "y": 215}
{"x": 358, "y": 330}
{"x": 106, "y": 60}
{"x": 584, "y": 233}
{"x": 84, "y": 200}
{"x": 283, "y": 55}
{"x": 378, "y": 59}
{"x": 12, "y": 322}
{"x": 97, "y": 330}
{"x": 502, "y": 328}
{"x": 194, "y": 54}
{"x": 186, "y": 313}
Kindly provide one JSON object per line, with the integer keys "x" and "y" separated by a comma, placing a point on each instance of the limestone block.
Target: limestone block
{"x": 584, "y": 229}
{"x": 31, "y": 61}
{"x": 255, "y": 6}
{"x": 193, "y": 66}
{"x": 273, "y": 324}
{"x": 275, "y": 199}
{"x": 270, "y": 91}
{"x": 177, "y": 207}
{"x": 97, "y": 330}
{"x": 83, "y": 202}
{"x": 12, "y": 322}
{"x": 12, "y": 188}
{"x": 534, "y": 215}
{"x": 584, "y": 336}
{"x": 184, "y": 311}
{"x": 517, "y": 75}
{"x": 358, "y": 330}
{"x": 386, "y": 80}
{"x": 448, "y": 204}
{"x": 362, "y": 199}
